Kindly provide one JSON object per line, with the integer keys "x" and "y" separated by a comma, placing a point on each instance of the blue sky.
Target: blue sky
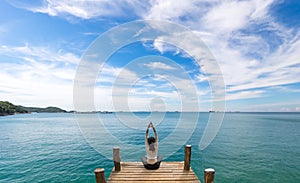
{"x": 256, "y": 44}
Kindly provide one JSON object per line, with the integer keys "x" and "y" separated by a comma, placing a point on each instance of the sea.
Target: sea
{"x": 67, "y": 147}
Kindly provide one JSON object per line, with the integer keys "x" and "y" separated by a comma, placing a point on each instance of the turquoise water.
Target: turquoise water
{"x": 249, "y": 147}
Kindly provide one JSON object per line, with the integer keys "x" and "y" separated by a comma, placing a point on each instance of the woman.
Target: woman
{"x": 151, "y": 162}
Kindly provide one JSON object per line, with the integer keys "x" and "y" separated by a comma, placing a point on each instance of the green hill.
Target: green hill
{"x": 7, "y": 108}
{"x": 44, "y": 110}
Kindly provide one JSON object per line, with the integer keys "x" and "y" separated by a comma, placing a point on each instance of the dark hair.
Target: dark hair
{"x": 151, "y": 140}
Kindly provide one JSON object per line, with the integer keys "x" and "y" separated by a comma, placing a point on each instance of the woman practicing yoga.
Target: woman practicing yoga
{"x": 151, "y": 161}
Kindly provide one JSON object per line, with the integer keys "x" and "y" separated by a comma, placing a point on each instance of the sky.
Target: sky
{"x": 255, "y": 43}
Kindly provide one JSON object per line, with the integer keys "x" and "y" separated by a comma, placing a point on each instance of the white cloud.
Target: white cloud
{"x": 248, "y": 60}
{"x": 159, "y": 45}
{"x": 108, "y": 74}
{"x": 159, "y": 65}
{"x": 229, "y": 16}
{"x": 37, "y": 76}
{"x": 132, "y": 90}
{"x": 201, "y": 78}
{"x": 30, "y": 53}
{"x": 170, "y": 10}
{"x": 278, "y": 68}
{"x": 244, "y": 95}
{"x": 86, "y": 9}
{"x": 36, "y": 88}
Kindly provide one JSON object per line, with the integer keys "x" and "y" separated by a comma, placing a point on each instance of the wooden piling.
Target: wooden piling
{"x": 117, "y": 158}
{"x": 99, "y": 174}
{"x": 209, "y": 175}
{"x": 187, "y": 157}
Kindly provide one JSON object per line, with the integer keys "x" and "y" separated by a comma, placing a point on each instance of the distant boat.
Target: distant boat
{"x": 212, "y": 111}
{"x": 105, "y": 112}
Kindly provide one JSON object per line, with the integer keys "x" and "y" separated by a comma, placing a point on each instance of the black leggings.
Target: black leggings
{"x": 151, "y": 166}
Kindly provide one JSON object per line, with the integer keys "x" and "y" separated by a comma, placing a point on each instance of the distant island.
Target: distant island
{"x": 7, "y": 108}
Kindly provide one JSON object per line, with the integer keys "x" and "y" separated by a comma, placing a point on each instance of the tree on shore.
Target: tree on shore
{"x": 7, "y": 108}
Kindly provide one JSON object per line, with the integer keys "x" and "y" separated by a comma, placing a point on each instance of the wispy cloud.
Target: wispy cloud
{"x": 233, "y": 32}
{"x": 201, "y": 78}
{"x": 85, "y": 9}
{"x": 244, "y": 95}
{"x": 120, "y": 88}
{"x": 37, "y": 74}
{"x": 229, "y": 16}
{"x": 36, "y": 85}
{"x": 159, "y": 65}
{"x": 254, "y": 51}
{"x": 30, "y": 53}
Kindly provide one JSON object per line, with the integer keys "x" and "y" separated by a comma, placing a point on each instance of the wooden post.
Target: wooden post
{"x": 209, "y": 175}
{"x": 187, "y": 157}
{"x": 117, "y": 158}
{"x": 100, "y": 177}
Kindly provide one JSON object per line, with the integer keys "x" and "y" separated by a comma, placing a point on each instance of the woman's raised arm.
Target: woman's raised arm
{"x": 155, "y": 133}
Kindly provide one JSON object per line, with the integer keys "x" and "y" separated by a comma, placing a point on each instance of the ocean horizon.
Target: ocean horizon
{"x": 54, "y": 147}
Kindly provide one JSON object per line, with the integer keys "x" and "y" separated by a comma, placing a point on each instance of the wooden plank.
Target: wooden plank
{"x": 152, "y": 179}
{"x": 157, "y": 181}
{"x": 147, "y": 176}
{"x": 168, "y": 172}
{"x": 139, "y": 171}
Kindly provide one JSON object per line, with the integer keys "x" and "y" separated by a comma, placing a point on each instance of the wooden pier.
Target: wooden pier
{"x": 168, "y": 172}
